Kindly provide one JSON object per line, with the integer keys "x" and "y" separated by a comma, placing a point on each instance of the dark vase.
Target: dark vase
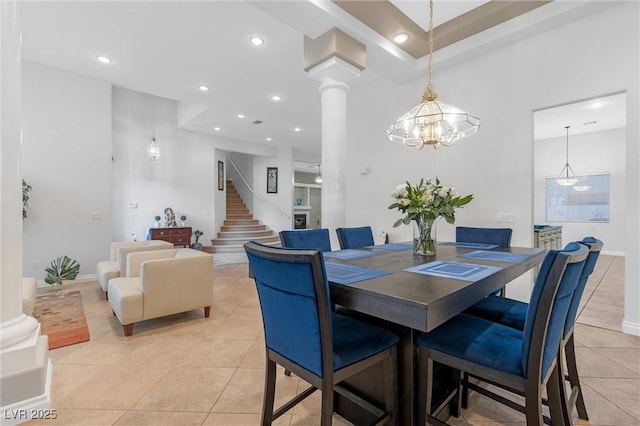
{"x": 196, "y": 246}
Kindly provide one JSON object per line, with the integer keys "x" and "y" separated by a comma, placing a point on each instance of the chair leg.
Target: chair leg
{"x": 457, "y": 409}
{"x": 425, "y": 376}
{"x": 207, "y": 311}
{"x": 564, "y": 400}
{"x": 533, "y": 402}
{"x": 326, "y": 413}
{"x": 269, "y": 392}
{"x": 574, "y": 379}
{"x": 553, "y": 396}
{"x": 465, "y": 391}
{"x": 391, "y": 386}
{"x": 128, "y": 329}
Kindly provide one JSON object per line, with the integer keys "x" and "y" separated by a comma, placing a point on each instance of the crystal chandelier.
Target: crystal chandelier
{"x": 564, "y": 178}
{"x": 432, "y": 123}
{"x": 153, "y": 150}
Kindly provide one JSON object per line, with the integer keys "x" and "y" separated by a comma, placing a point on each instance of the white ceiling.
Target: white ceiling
{"x": 169, "y": 49}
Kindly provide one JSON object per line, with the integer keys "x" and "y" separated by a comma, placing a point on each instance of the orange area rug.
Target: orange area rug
{"x": 61, "y": 316}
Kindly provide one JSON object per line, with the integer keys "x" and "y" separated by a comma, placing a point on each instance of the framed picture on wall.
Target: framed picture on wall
{"x": 272, "y": 180}
{"x": 220, "y": 176}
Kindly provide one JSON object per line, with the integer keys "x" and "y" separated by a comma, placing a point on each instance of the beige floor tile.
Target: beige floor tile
{"x": 118, "y": 387}
{"x": 608, "y": 298}
{"x": 612, "y": 323}
{"x": 602, "y": 338}
{"x": 186, "y": 389}
{"x": 218, "y": 353}
{"x": 256, "y": 355}
{"x": 232, "y": 328}
{"x": 67, "y": 377}
{"x": 624, "y": 393}
{"x": 160, "y": 418}
{"x": 225, "y": 419}
{"x": 160, "y": 351}
{"x": 243, "y": 394}
{"x": 592, "y": 364}
{"x": 602, "y": 411}
{"x": 314, "y": 420}
{"x": 629, "y": 358}
{"x": 71, "y": 416}
{"x": 105, "y": 350}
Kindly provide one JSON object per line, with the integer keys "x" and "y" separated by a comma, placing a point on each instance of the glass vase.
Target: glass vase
{"x": 424, "y": 237}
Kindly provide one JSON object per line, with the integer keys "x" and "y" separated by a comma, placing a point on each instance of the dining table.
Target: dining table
{"x": 411, "y": 294}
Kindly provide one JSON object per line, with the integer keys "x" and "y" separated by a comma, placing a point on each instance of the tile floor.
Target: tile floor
{"x": 185, "y": 369}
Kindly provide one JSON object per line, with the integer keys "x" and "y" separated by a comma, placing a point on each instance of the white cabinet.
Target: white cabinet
{"x": 306, "y": 205}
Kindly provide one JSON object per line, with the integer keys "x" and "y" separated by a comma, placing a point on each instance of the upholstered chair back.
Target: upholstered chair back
{"x": 498, "y": 236}
{"x": 313, "y": 239}
{"x": 543, "y": 329}
{"x": 595, "y": 246}
{"x": 351, "y": 238}
{"x": 293, "y": 294}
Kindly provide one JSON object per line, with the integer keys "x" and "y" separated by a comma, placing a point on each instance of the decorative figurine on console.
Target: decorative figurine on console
{"x": 169, "y": 218}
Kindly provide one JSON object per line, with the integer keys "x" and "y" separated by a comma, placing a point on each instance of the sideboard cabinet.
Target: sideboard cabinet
{"x": 177, "y": 236}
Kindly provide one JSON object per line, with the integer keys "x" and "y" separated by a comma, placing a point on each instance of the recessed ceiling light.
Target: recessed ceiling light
{"x": 217, "y": 129}
{"x": 297, "y": 129}
{"x": 401, "y": 38}
{"x": 268, "y": 139}
{"x": 256, "y": 41}
{"x": 597, "y": 104}
{"x": 240, "y": 115}
{"x": 275, "y": 98}
{"x": 204, "y": 88}
{"x": 103, "y": 59}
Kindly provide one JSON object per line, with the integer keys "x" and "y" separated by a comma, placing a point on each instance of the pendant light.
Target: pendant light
{"x": 153, "y": 150}
{"x": 319, "y": 176}
{"x": 432, "y": 122}
{"x": 564, "y": 178}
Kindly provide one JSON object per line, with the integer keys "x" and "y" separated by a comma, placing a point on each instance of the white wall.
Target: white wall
{"x": 502, "y": 88}
{"x": 66, "y": 157}
{"x": 280, "y": 218}
{"x": 589, "y": 153}
{"x": 184, "y": 178}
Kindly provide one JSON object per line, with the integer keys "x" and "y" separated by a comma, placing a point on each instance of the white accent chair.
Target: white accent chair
{"x": 160, "y": 283}
{"x": 108, "y": 269}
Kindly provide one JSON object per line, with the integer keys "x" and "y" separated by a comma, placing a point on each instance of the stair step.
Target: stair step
{"x": 231, "y": 222}
{"x": 242, "y": 228}
{"x": 238, "y": 248}
{"x": 241, "y": 241}
{"x": 247, "y": 234}
{"x": 239, "y": 216}
{"x": 237, "y": 211}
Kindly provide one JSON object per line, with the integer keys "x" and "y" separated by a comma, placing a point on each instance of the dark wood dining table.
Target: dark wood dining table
{"x": 409, "y": 303}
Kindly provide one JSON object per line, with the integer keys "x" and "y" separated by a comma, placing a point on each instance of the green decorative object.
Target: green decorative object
{"x": 62, "y": 268}
{"x": 25, "y": 198}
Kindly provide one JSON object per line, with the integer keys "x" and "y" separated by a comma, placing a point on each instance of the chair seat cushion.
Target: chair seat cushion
{"x": 478, "y": 340}
{"x": 354, "y": 340}
{"x": 106, "y": 270}
{"x": 126, "y": 299}
{"x": 502, "y": 310}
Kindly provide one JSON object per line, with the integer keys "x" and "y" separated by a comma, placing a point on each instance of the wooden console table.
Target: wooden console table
{"x": 178, "y": 236}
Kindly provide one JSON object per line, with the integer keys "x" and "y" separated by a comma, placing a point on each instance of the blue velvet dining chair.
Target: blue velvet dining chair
{"x": 512, "y": 313}
{"x": 352, "y": 238}
{"x": 305, "y": 336}
{"x": 315, "y": 239}
{"x": 524, "y": 361}
{"x": 498, "y": 236}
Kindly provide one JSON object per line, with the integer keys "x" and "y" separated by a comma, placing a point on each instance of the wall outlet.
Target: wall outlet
{"x": 96, "y": 215}
{"x": 505, "y": 217}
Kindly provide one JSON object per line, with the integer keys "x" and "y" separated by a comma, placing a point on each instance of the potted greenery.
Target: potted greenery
{"x": 197, "y": 246}
{"x": 25, "y": 198}
{"x": 62, "y": 268}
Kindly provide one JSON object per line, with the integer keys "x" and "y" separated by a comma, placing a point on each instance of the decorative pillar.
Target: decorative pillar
{"x": 334, "y": 59}
{"x": 25, "y": 367}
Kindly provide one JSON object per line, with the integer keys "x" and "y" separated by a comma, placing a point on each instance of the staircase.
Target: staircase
{"x": 239, "y": 227}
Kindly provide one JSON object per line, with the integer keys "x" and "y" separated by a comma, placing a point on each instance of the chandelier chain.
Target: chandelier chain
{"x": 429, "y": 94}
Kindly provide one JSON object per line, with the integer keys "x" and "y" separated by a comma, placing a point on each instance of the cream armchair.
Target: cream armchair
{"x": 160, "y": 283}
{"x": 117, "y": 265}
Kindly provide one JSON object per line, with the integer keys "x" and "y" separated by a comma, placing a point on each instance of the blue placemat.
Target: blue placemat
{"x": 455, "y": 270}
{"x": 348, "y": 254}
{"x": 471, "y": 245}
{"x": 349, "y": 274}
{"x": 498, "y": 256}
{"x": 394, "y": 246}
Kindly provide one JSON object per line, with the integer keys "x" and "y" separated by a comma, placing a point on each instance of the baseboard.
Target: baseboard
{"x": 629, "y": 327}
{"x": 612, "y": 253}
{"x": 78, "y": 280}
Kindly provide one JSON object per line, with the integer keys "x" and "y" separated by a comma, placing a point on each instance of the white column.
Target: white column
{"x": 333, "y": 75}
{"x": 25, "y": 368}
